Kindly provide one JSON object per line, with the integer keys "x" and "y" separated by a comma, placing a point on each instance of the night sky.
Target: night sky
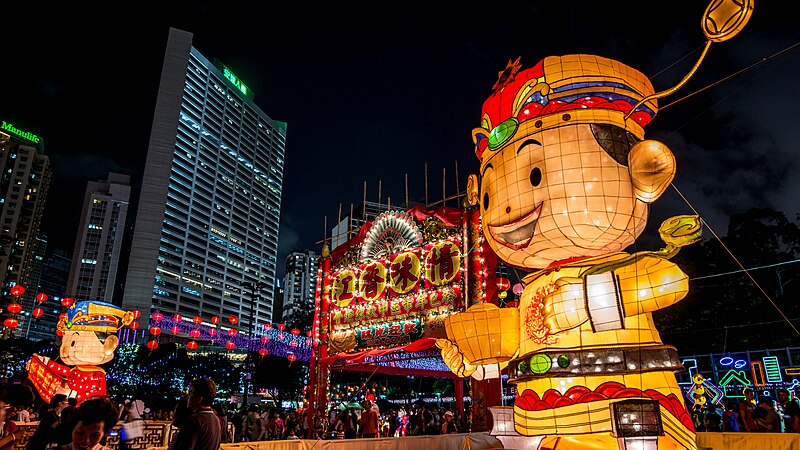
{"x": 377, "y": 93}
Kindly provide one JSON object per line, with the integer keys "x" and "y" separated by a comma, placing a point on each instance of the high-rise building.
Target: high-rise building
{"x": 207, "y": 219}
{"x": 98, "y": 245}
{"x": 53, "y": 283}
{"x": 299, "y": 282}
{"x": 24, "y": 180}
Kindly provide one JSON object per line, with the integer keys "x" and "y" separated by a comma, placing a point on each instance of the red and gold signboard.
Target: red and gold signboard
{"x": 389, "y": 334}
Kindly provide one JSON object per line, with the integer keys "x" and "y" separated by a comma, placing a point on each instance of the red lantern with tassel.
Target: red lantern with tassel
{"x": 41, "y": 297}
{"x": 152, "y": 345}
{"x": 14, "y": 308}
{"x": 37, "y": 312}
{"x": 17, "y": 290}
{"x": 66, "y": 302}
{"x": 192, "y": 345}
{"x": 263, "y": 352}
{"x": 230, "y": 345}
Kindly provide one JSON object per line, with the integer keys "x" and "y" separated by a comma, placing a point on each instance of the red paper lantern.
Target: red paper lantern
{"x": 215, "y": 319}
{"x": 37, "y": 312}
{"x": 152, "y": 345}
{"x": 62, "y": 316}
{"x": 197, "y": 320}
{"x": 517, "y": 289}
{"x": 232, "y": 332}
{"x": 281, "y": 326}
{"x": 212, "y": 332}
{"x": 263, "y": 352}
{"x": 370, "y": 397}
{"x": 41, "y": 297}
{"x": 59, "y": 333}
{"x": 11, "y": 323}
{"x": 192, "y": 345}
{"x": 265, "y": 339}
{"x": 267, "y": 326}
{"x": 17, "y": 290}
{"x": 66, "y": 302}
{"x": 502, "y": 283}
{"x": 233, "y": 320}
{"x": 293, "y": 344}
{"x": 157, "y": 317}
{"x": 134, "y": 325}
{"x": 291, "y": 357}
{"x": 178, "y": 317}
{"x": 308, "y": 333}
{"x": 194, "y": 333}
{"x": 295, "y": 331}
{"x": 175, "y": 329}
{"x": 230, "y": 345}
{"x": 155, "y": 331}
{"x": 136, "y": 313}
{"x": 14, "y": 308}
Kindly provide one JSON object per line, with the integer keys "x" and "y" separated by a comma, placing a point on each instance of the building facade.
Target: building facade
{"x": 98, "y": 245}
{"x": 53, "y": 283}
{"x": 299, "y": 283}
{"x": 24, "y": 180}
{"x": 207, "y": 219}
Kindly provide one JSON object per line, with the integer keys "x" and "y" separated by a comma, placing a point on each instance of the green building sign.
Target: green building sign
{"x": 235, "y": 81}
{"x": 27, "y": 135}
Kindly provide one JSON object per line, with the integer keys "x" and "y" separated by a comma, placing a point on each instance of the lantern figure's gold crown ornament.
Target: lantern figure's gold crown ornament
{"x": 566, "y": 179}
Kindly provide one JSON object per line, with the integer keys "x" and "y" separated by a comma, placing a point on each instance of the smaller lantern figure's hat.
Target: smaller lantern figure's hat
{"x": 562, "y": 90}
{"x": 94, "y": 316}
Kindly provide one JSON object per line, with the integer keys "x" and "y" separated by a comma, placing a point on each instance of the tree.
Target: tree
{"x": 726, "y": 309}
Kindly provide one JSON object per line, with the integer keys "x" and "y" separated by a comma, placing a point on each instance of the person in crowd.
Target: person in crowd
{"x": 48, "y": 423}
{"x": 201, "y": 430}
{"x": 178, "y": 418}
{"x": 746, "y": 409}
{"x": 320, "y": 422}
{"x": 730, "y": 418}
{"x": 65, "y": 422}
{"x": 223, "y": 422}
{"x": 9, "y": 432}
{"x": 712, "y": 420}
{"x": 448, "y": 425}
{"x": 253, "y": 426}
{"x": 369, "y": 421}
{"x": 790, "y": 410}
{"x": 91, "y": 422}
{"x": 766, "y": 417}
{"x": 275, "y": 426}
{"x": 349, "y": 421}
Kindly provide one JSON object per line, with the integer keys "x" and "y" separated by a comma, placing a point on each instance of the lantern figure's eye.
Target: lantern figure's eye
{"x": 536, "y": 176}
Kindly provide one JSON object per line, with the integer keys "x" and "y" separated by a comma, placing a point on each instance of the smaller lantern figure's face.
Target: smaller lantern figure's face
{"x": 86, "y": 348}
{"x": 556, "y": 194}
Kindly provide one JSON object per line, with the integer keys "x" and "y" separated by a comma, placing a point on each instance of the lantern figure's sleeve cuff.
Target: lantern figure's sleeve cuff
{"x": 603, "y": 301}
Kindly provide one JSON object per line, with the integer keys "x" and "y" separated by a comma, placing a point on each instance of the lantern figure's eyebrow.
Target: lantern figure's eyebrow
{"x": 486, "y": 168}
{"x": 528, "y": 142}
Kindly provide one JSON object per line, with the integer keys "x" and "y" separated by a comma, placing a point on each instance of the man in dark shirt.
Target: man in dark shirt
{"x": 202, "y": 430}
{"x": 790, "y": 409}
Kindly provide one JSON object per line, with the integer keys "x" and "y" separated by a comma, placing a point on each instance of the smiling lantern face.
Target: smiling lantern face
{"x": 556, "y": 194}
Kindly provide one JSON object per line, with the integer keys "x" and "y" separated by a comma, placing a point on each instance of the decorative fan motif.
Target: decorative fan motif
{"x": 391, "y": 232}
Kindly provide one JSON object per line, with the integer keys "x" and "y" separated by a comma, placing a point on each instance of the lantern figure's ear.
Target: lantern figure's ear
{"x": 651, "y": 165}
{"x": 473, "y": 190}
{"x": 110, "y": 345}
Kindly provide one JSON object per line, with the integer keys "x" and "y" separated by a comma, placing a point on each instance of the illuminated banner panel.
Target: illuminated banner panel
{"x": 384, "y": 310}
{"x": 399, "y": 275}
{"x": 389, "y": 334}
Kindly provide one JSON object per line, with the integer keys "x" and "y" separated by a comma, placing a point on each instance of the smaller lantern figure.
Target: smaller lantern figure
{"x": 88, "y": 332}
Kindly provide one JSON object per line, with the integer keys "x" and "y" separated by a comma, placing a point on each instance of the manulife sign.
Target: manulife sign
{"x": 27, "y": 135}
{"x": 235, "y": 81}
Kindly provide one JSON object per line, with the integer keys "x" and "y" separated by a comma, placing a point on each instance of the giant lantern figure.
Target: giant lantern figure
{"x": 89, "y": 339}
{"x": 566, "y": 180}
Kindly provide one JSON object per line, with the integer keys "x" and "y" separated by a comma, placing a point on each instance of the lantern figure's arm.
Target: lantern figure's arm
{"x": 646, "y": 284}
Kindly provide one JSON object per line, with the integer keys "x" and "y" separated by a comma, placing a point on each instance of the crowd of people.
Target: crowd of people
{"x": 765, "y": 414}
{"x": 203, "y": 424}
